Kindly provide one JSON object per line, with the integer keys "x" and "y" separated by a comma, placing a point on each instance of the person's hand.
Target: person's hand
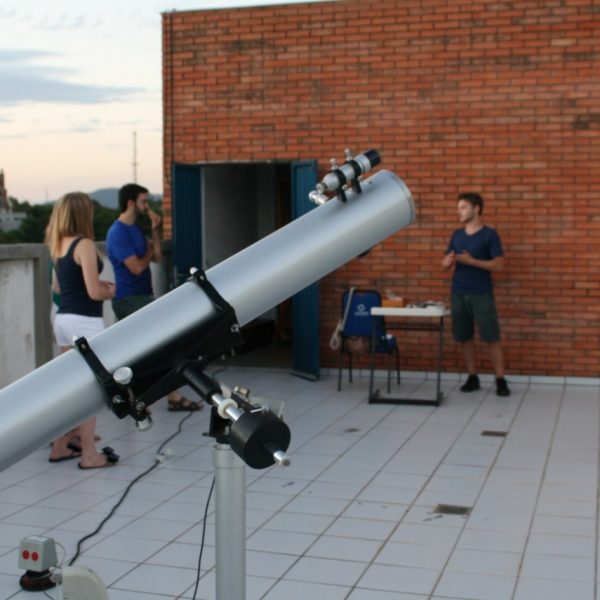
{"x": 110, "y": 289}
{"x": 449, "y": 260}
{"x": 155, "y": 219}
{"x": 464, "y": 258}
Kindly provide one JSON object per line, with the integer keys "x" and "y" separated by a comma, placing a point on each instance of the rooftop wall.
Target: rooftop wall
{"x": 498, "y": 97}
{"x": 24, "y": 310}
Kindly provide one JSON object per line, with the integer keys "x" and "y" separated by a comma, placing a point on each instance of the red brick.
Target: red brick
{"x": 500, "y": 98}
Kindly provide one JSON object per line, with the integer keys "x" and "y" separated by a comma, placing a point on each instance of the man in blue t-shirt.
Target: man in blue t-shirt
{"x": 131, "y": 255}
{"x": 473, "y": 253}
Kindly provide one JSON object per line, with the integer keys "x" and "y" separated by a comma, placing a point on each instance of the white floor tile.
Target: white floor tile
{"x": 493, "y": 540}
{"x": 155, "y": 579}
{"x": 561, "y": 545}
{"x": 564, "y": 525}
{"x": 484, "y": 562}
{"x": 432, "y": 533}
{"x": 353, "y": 517}
{"x": 361, "y": 509}
{"x": 399, "y": 579}
{"x": 570, "y": 568}
{"x": 394, "y": 495}
{"x": 535, "y": 589}
{"x": 268, "y": 564}
{"x": 328, "y": 546}
{"x": 154, "y": 529}
{"x": 295, "y": 590}
{"x": 280, "y": 541}
{"x": 9, "y": 508}
{"x": 473, "y": 586}
{"x": 360, "y": 594}
{"x": 184, "y": 555}
{"x": 126, "y": 595}
{"x": 125, "y": 548}
{"x": 324, "y": 570}
{"x": 326, "y": 489}
{"x": 364, "y": 529}
{"x": 108, "y": 570}
{"x": 413, "y": 555}
{"x": 301, "y": 523}
{"x": 9, "y": 587}
{"x": 500, "y": 521}
{"x": 317, "y": 506}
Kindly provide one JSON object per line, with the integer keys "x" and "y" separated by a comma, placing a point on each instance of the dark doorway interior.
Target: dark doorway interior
{"x": 243, "y": 202}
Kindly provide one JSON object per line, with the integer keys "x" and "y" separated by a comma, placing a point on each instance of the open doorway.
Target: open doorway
{"x": 242, "y": 203}
{"x": 221, "y": 208}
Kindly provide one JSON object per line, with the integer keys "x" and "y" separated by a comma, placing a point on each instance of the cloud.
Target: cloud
{"x": 23, "y": 81}
{"x": 51, "y": 20}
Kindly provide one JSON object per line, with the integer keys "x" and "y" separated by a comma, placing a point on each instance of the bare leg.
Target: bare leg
{"x": 86, "y": 432}
{"x": 59, "y": 447}
{"x": 497, "y": 359}
{"x": 468, "y": 349}
{"x": 89, "y": 456}
{"x": 178, "y": 402}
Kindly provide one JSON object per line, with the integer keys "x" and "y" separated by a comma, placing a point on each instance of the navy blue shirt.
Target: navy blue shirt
{"x": 123, "y": 241}
{"x": 485, "y": 244}
{"x": 74, "y": 299}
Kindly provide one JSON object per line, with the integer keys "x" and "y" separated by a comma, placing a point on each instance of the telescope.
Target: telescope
{"x": 168, "y": 343}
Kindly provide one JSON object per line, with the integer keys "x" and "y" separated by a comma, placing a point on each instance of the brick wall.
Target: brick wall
{"x": 500, "y": 97}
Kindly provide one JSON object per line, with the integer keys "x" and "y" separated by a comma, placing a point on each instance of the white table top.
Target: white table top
{"x": 428, "y": 311}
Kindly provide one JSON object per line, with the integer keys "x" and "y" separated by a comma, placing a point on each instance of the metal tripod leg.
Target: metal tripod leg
{"x": 230, "y": 522}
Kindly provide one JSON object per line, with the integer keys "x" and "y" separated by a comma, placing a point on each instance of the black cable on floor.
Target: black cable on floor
{"x": 127, "y": 490}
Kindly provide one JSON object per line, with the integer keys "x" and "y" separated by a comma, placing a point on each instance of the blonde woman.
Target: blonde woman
{"x": 75, "y": 275}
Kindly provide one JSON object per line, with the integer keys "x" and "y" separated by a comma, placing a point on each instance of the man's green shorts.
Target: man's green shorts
{"x": 468, "y": 309}
{"x": 123, "y": 307}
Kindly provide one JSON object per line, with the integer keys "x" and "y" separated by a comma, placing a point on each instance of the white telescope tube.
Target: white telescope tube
{"x": 64, "y": 392}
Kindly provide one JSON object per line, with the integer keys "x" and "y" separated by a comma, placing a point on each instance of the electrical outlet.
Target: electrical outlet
{"x": 37, "y": 553}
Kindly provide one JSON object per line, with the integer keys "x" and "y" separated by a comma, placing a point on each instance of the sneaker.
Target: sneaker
{"x": 502, "y": 387}
{"x": 471, "y": 384}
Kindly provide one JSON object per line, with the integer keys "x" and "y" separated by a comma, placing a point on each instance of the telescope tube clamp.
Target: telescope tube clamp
{"x": 117, "y": 396}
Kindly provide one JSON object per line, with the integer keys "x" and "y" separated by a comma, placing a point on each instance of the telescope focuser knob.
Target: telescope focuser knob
{"x": 123, "y": 376}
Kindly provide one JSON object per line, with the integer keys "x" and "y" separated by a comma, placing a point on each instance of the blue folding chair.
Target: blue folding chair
{"x": 358, "y": 324}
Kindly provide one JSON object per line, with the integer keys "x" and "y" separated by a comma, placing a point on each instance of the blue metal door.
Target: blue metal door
{"x": 187, "y": 220}
{"x": 305, "y": 304}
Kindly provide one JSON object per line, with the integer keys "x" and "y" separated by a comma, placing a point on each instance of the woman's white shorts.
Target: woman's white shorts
{"x": 69, "y": 327}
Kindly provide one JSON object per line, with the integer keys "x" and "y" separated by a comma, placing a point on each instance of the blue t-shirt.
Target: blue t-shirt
{"x": 485, "y": 244}
{"x": 123, "y": 241}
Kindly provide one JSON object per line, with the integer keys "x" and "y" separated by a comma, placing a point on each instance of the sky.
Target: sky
{"x": 78, "y": 80}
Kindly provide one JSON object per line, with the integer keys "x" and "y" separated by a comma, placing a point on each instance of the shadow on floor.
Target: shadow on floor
{"x": 275, "y": 356}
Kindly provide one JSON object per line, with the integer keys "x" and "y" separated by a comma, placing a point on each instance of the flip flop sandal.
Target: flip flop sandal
{"x": 106, "y": 464}
{"x": 111, "y": 455}
{"x": 184, "y": 405}
{"x": 71, "y": 456}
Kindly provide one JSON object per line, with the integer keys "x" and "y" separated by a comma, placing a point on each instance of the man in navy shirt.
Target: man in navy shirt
{"x": 131, "y": 255}
{"x": 473, "y": 253}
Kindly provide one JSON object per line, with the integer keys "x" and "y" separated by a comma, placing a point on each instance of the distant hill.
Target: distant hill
{"x": 108, "y": 197}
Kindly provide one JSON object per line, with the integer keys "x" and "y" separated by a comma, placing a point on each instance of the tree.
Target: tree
{"x": 103, "y": 219}
{"x": 33, "y": 227}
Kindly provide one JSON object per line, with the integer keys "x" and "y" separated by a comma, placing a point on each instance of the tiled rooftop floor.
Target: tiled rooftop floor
{"x": 353, "y": 517}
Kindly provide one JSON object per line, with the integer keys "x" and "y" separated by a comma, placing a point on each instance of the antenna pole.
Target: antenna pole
{"x": 134, "y": 163}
